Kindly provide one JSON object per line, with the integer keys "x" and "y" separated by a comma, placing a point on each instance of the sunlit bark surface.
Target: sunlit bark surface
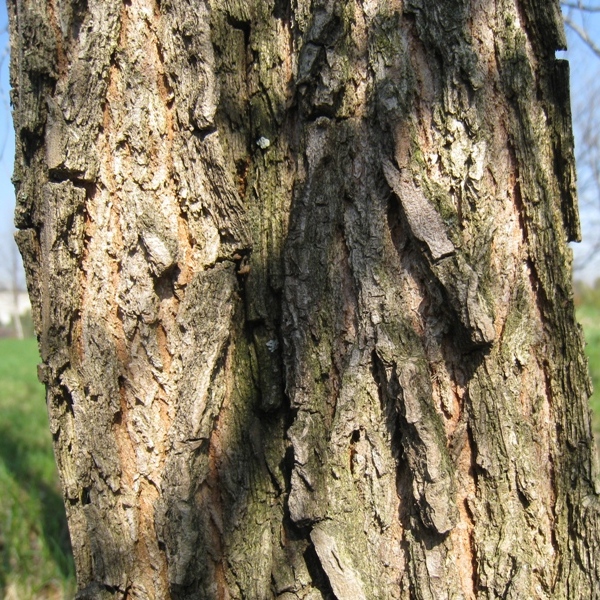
{"x": 301, "y": 283}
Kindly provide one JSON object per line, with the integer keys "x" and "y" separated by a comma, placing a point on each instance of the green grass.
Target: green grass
{"x": 587, "y": 301}
{"x": 588, "y": 315}
{"x": 35, "y": 556}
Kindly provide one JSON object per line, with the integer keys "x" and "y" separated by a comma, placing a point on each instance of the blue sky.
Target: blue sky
{"x": 7, "y": 151}
{"x": 585, "y": 88}
{"x": 585, "y": 85}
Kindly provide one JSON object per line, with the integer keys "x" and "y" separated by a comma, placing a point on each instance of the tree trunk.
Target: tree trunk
{"x": 17, "y": 290}
{"x": 301, "y": 282}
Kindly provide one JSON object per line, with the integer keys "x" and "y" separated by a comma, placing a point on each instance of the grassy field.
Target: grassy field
{"x": 588, "y": 315}
{"x": 35, "y": 559}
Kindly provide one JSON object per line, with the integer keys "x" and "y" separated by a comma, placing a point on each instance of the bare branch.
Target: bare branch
{"x": 583, "y": 34}
{"x": 580, "y": 6}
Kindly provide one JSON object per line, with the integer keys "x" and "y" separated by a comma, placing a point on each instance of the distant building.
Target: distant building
{"x": 7, "y": 305}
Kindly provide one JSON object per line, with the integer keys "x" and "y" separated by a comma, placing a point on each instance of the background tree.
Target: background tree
{"x": 574, "y": 15}
{"x": 15, "y": 270}
{"x": 583, "y": 26}
{"x": 302, "y": 288}
{"x": 588, "y": 161}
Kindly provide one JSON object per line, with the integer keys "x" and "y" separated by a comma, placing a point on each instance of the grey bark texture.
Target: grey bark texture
{"x": 302, "y": 288}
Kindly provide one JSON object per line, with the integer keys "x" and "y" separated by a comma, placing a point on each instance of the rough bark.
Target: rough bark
{"x": 301, "y": 282}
